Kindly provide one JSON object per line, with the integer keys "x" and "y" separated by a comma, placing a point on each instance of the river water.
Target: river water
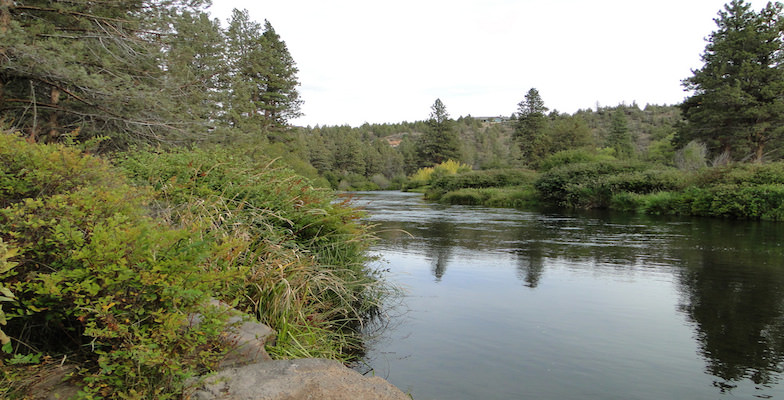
{"x": 509, "y": 304}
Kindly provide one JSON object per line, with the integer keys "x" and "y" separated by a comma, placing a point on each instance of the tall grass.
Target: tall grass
{"x": 298, "y": 252}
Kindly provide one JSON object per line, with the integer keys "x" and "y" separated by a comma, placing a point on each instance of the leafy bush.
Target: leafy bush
{"x": 425, "y": 176}
{"x": 6, "y": 295}
{"x": 565, "y": 184}
{"x": 593, "y": 185}
{"x": 746, "y": 201}
{"x": 96, "y": 280}
{"x": 514, "y": 197}
{"x": 759, "y": 174}
{"x": 484, "y": 179}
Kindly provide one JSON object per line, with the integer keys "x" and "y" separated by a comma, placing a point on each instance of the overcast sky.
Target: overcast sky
{"x": 388, "y": 61}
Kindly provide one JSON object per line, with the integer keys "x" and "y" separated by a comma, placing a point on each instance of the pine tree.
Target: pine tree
{"x": 263, "y": 79}
{"x": 89, "y": 66}
{"x": 195, "y": 58}
{"x": 440, "y": 142}
{"x": 619, "y": 137}
{"x": 280, "y": 98}
{"x": 738, "y": 101}
{"x": 531, "y": 128}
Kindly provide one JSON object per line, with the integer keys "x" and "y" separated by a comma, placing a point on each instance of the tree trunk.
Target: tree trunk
{"x": 53, "y": 128}
{"x": 5, "y": 16}
{"x": 5, "y": 21}
{"x": 759, "y": 152}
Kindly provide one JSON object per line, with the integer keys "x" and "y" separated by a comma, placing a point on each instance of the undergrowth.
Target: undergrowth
{"x": 103, "y": 271}
{"x": 301, "y": 252}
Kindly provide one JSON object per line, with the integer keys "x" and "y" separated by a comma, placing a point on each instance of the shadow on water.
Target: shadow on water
{"x": 728, "y": 275}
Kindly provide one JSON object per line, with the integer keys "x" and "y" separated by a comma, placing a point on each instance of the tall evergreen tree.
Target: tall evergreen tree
{"x": 263, "y": 81}
{"x": 531, "y": 128}
{"x": 738, "y": 101}
{"x": 280, "y": 97}
{"x": 88, "y": 66}
{"x": 195, "y": 58}
{"x": 619, "y": 137}
{"x": 440, "y": 142}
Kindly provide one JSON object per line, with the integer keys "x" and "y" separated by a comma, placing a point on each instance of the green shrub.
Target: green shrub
{"x": 6, "y": 295}
{"x": 514, "y": 197}
{"x": 593, "y": 185}
{"x": 582, "y": 184}
{"x": 759, "y": 174}
{"x": 484, "y": 179}
{"x": 626, "y": 201}
{"x": 740, "y": 201}
{"x": 666, "y": 203}
{"x": 96, "y": 280}
{"x": 764, "y": 202}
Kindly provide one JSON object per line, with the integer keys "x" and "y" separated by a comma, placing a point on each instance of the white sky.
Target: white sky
{"x": 387, "y": 61}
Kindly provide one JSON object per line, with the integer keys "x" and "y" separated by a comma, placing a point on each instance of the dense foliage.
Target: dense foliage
{"x": 107, "y": 272}
{"x": 738, "y": 102}
{"x": 140, "y": 71}
{"x": 97, "y": 281}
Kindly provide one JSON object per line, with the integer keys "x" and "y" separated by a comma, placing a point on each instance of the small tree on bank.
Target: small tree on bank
{"x": 530, "y": 129}
{"x": 440, "y": 142}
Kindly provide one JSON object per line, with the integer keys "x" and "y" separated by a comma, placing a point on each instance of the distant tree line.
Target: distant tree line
{"x": 388, "y": 153}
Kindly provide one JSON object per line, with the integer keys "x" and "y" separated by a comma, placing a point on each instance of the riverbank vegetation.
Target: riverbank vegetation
{"x": 105, "y": 265}
{"x": 148, "y": 167}
{"x": 149, "y": 164}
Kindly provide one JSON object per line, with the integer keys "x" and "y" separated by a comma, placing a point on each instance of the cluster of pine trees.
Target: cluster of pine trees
{"x": 141, "y": 71}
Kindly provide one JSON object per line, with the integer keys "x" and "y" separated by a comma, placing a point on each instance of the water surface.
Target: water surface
{"x": 507, "y": 304}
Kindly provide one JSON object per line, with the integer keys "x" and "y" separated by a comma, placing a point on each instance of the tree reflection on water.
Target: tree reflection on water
{"x": 730, "y": 274}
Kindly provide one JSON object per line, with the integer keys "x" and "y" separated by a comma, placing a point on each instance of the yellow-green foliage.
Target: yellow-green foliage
{"x": 425, "y": 176}
{"x": 451, "y": 167}
{"x": 422, "y": 176}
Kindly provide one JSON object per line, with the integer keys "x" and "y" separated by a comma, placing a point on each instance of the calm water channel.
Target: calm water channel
{"x": 508, "y": 304}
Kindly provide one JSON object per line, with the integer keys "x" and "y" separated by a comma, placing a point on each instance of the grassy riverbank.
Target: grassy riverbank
{"x": 741, "y": 190}
{"x": 101, "y": 265}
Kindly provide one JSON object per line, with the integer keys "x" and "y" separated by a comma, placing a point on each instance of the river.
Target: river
{"x": 509, "y": 304}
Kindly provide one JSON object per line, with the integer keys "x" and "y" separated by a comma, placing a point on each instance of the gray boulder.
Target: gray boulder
{"x": 304, "y": 379}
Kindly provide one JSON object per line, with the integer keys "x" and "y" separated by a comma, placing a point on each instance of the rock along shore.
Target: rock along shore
{"x": 248, "y": 373}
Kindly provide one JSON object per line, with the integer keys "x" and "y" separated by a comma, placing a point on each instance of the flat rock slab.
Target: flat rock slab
{"x": 306, "y": 379}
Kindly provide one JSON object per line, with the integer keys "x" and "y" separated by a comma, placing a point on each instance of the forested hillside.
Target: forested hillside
{"x": 384, "y": 155}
